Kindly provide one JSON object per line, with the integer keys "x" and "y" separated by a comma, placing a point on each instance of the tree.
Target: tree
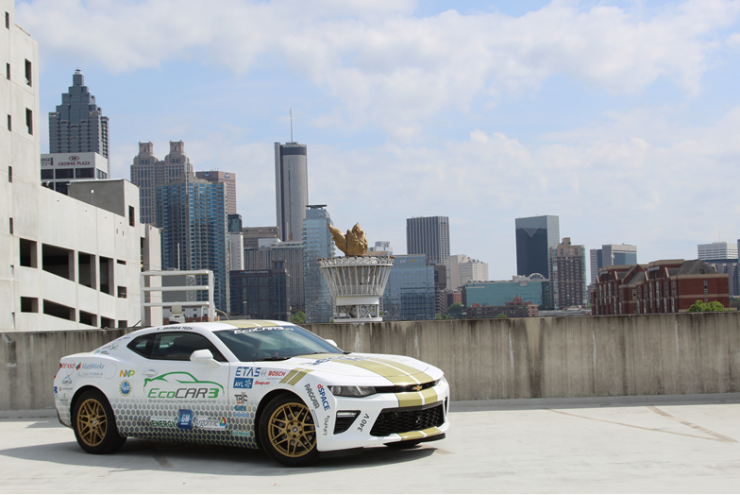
{"x": 299, "y": 318}
{"x": 701, "y": 307}
{"x": 455, "y": 310}
{"x": 501, "y": 315}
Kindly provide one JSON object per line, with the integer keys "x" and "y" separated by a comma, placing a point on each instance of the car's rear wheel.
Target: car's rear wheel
{"x": 287, "y": 431}
{"x": 95, "y": 425}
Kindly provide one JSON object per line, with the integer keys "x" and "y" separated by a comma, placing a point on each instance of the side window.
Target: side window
{"x": 178, "y": 346}
{"x": 142, "y": 345}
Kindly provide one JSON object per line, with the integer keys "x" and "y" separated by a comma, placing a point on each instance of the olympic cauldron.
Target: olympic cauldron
{"x": 357, "y": 281}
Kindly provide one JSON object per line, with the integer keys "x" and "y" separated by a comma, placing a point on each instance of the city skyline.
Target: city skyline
{"x": 481, "y": 149}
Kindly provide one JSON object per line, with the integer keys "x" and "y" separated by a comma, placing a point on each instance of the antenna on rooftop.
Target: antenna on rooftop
{"x": 291, "y": 125}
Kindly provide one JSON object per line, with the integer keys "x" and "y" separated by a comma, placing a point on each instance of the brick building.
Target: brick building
{"x": 665, "y": 286}
{"x": 567, "y": 275}
{"x": 513, "y": 309}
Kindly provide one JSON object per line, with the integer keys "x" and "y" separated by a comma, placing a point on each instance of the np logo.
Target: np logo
{"x": 126, "y": 373}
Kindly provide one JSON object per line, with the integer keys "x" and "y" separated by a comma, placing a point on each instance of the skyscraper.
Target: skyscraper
{"x": 149, "y": 173}
{"x": 568, "y": 275}
{"x": 228, "y": 178}
{"x": 192, "y": 215}
{"x": 429, "y": 236}
{"x": 291, "y": 189}
{"x": 611, "y": 255}
{"x": 409, "y": 293}
{"x": 318, "y": 243}
{"x": 717, "y": 251}
{"x": 534, "y": 237}
{"x": 78, "y": 125}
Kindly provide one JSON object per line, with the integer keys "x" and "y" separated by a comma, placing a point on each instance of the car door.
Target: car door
{"x": 178, "y": 399}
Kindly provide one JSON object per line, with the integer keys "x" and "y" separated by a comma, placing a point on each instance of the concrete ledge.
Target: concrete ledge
{"x": 592, "y": 402}
{"x": 29, "y": 414}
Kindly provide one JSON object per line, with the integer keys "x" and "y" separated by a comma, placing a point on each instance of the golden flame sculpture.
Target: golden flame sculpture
{"x": 353, "y": 243}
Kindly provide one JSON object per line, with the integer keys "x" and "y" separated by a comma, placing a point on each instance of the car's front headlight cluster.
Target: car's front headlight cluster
{"x": 351, "y": 391}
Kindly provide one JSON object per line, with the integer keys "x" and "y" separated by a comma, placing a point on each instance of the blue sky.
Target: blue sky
{"x": 621, "y": 117}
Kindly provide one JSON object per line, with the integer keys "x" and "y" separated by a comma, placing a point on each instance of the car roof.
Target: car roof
{"x": 213, "y": 326}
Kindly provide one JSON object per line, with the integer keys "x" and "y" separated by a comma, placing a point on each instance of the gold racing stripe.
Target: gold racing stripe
{"x": 265, "y": 323}
{"x": 385, "y": 368}
{"x": 242, "y": 323}
{"x": 290, "y": 375}
{"x": 409, "y": 399}
{"x": 418, "y": 435}
{"x": 429, "y": 395}
{"x": 298, "y": 376}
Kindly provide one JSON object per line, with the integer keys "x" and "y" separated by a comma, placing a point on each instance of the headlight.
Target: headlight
{"x": 351, "y": 391}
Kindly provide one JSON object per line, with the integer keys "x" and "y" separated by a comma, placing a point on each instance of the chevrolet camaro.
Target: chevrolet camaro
{"x": 252, "y": 383}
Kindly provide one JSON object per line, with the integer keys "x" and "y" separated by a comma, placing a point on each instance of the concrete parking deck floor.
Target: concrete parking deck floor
{"x": 686, "y": 444}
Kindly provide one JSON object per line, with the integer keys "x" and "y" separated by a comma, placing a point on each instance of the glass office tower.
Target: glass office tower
{"x": 409, "y": 294}
{"x": 534, "y": 238}
{"x": 317, "y": 243}
{"x": 192, "y": 215}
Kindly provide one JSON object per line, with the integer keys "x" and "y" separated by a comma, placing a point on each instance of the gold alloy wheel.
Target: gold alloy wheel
{"x": 291, "y": 430}
{"x": 92, "y": 422}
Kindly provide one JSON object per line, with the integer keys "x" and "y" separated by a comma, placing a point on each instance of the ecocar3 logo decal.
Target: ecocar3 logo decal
{"x": 181, "y": 385}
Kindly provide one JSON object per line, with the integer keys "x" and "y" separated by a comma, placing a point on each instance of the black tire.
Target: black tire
{"x": 287, "y": 432}
{"x": 95, "y": 425}
{"x": 403, "y": 444}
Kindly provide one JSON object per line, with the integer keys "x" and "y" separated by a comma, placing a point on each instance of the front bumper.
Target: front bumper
{"x": 385, "y": 418}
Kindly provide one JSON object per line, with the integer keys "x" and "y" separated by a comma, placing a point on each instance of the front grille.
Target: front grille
{"x": 403, "y": 419}
{"x": 397, "y": 389}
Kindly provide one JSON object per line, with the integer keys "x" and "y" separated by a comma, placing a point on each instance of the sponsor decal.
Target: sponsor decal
{"x": 326, "y": 425}
{"x": 242, "y": 410}
{"x": 67, "y": 380}
{"x": 125, "y": 388}
{"x": 363, "y": 423}
{"x": 322, "y": 395}
{"x": 276, "y": 373}
{"x": 312, "y": 396}
{"x": 261, "y": 329}
{"x": 91, "y": 370}
{"x": 181, "y": 385}
{"x": 240, "y": 398}
{"x": 55, "y": 391}
{"x": 163, "y": 423}
{"x": 243, "y": 382}
{"x": 185, "y": 419}
{"x": 126, "y": 373}
{"x": 207, "y": 423}
{"x": 257, "y": 382}
{"x": 66, "y": 366}
{"x": 339, "y": 358}
{"x": 241, "y": 433}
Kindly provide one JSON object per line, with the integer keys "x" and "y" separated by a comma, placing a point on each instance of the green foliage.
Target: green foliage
{"x": 501, "y": 315}
{"x": 701, "y": 307}
{"x": 455, "y": 308}
{"x": 299, "y": 318}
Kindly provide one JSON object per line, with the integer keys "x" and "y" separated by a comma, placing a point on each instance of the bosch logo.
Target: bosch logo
{"x": 276, "y": 373}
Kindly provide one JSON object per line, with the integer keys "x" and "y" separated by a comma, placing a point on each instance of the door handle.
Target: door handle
{"x": 150, "y": 373}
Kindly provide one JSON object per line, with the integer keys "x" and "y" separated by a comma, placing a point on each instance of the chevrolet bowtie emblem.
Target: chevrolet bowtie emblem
{"x": 416, "y": 388}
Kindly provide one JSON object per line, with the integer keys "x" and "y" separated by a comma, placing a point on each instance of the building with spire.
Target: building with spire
{"x": 291, "y": 189}
{"x": 148, "y": 172}
{"x": 78, "y": 125}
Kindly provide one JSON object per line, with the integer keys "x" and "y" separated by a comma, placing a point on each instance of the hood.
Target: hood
{"x": 398, "y": 370}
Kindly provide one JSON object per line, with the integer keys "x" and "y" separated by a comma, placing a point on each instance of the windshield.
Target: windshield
{"x": 273, "y": 343}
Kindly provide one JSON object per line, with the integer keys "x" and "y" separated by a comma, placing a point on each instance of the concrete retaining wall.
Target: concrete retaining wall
{"x": 482, "y": 359}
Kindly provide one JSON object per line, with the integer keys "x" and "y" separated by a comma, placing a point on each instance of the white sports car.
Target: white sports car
{"x": 251, "y": 383}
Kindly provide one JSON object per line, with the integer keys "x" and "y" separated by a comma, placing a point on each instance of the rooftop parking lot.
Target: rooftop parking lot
{"x": 679, "y": 444}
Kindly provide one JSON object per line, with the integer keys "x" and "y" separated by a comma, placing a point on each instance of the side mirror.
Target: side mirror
{"x": 204, "y": 356}
{"x": 331, "y": 342}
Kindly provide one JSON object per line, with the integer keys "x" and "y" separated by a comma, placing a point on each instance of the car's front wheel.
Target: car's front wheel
{"x": 287, "y": 431}
{"x": 95, "y": 425}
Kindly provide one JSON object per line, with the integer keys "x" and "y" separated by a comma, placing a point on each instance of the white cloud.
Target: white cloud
{"x": 385, "y": 65}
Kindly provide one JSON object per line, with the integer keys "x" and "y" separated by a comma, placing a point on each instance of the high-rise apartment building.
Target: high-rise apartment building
{"x": 409, "y": 293}
{"x": 78, "y": 125}
{"x": 149, "y": 173}
{"x": 568, "y": 275}
{"x": 429, "y": 236}
{"x": 228, "y": 179}
{"x": 717, "y": 251}
{"x": 473, "y": 271}
{"x": 192, "y": 215}
{"x": 291, "y": 189}
{"x": 261, "y": 294}
{"x": 611, "y": 255}
{"x": 317, "y": 243}
{"x": 534, "y": 238}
